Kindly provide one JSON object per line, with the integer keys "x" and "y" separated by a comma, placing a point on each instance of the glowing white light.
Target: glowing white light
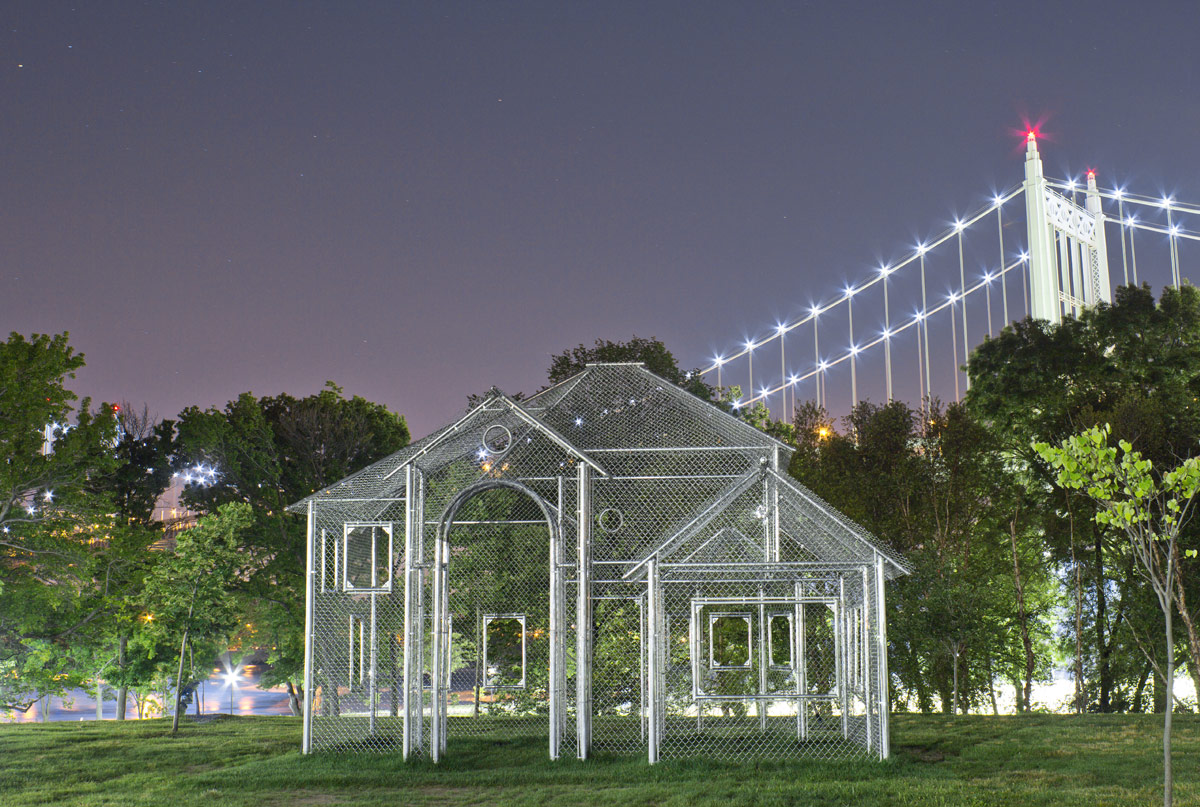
{"x": 920, "y": 315}
{"x": 1024, "y": 256}
{"x": 1166, "y": 202}
{"x": 997, "y": 200}
{"x": 6, "y": 530}
{"x": 987, "y": 277}
{"x": 816, "y": 311}
{"x": 922, "y": 249}
{"x": 1071, "y": 184}
{"x": 719, "y": 360}
{"x": 958, "y": 225}
{"x": 781, "y": 329}
{"x": 887, "y": 334}
{"x": 578, "y": 421}
{"x": 48, "y": 496}
{"x": 1119, "y": 193}
{"x": 885, "y": 270}
{"x": 1174, "y": 229}
{"x": 687, "y": 376}
{"x": 823, "y": 364}
{"x": 763, "y": 392}
{"x": 30, "y": 509}
{"x": 953, "y": 296}
{"x": 750, "y": 346}
{"x": 850, "y": 290}
{"x": 737, "y": 404}
{"x": 854, "y": 350}
{"x": 481, "y": 453}
{"x": 794, "y": 379}
{"x": 1129, "y": 221}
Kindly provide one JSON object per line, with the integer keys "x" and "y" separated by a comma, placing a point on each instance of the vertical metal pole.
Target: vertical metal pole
{"x": 1003, "y": 264}
{"x": 1042, "y": 275}
{"x": 1124, "y": 258}
{"x": 774, "y": 505}
{"x": 887, "y": 340}
{"x": 799, "y": 667}
{"x": 853, "y": 358}
{"x": 1171, "y": 242}
{"x": 412, "y": 679}
{"x": 750, "y": 352}
{"x": 817, "y": 361}
{"x": 652, "y": 653}
{"x": 556, "y": 632}
{"x": 954, "y": 350}
{"x": 839, "y": 651}
{"x": 962, "y": 277}
{"x": 865, "y": 654}
{"x": 1079, "y": 289}
{"x": 306, "y": 739}
{"x": 583, "y": 618}
{"x": 1133, "y": 254}
{"x": 987, "y": 293}
{"x": 374, "y": 656}
{"x": 925, "y": 328}
{"x": 694, "y": 648}
{"x": 763, "y": 661}
{"x": 783, "y": 375}
{"x": 881, "y": 637}
{"x": 643, "y": 709}
{"x": 439, "y": 617}
{"x": 920, "y": 369}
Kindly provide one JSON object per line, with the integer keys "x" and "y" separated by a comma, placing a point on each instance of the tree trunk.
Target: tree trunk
{"x": 954, "y": 703}
{"x": 179, "y": 679}
{"x": 1022, "y": 620}
{"x": 1168, "y": 774}
{"x": 293, "y": 700}
{"x": 1103, "y": 646}
{"x": 99, "y": 699}
{"x": 123, "y": 690}
{"x": 1139, "y": 692}
{"x": 1078, "y": 614}
{"x": 1022, "y": 704}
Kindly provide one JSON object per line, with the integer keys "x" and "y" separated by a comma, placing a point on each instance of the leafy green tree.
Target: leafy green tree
{"x": 53, "y": 528}
{"x": 1136, "y": 366}
{"x": 268, "y": 453}
{"x": 1151, "y": 509}
{"x": 189, "y": 591}
{"x": 651, "y": 352}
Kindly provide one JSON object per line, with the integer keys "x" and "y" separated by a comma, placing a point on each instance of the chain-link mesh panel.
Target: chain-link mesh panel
{"x": 760, "y": 638}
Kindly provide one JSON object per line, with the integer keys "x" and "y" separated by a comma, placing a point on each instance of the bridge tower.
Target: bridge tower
{"x": 1068, "y": 259}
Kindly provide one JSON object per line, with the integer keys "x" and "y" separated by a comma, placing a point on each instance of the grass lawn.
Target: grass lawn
{"x": 1035, "y": 760}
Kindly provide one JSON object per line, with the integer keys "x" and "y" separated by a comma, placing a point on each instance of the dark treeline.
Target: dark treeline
{"x": 1013, "y": 575}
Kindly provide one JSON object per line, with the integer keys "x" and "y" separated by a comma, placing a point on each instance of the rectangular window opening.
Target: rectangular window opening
{"x": 504, "y": 651}
{"x": 729, "y": 641}
{"x": 368, "y": 557}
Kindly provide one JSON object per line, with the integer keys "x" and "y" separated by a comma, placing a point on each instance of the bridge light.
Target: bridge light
{"x": 1119, "y": 193}
{"x": 794, "y": 379}
{"x": 1174, "y": 229}
{"x": 850, "y": 290}
{"x": 1130, "y": 221}
{"x": 737, "y": 404}
{"x": 750, "y": 346}
{"x": 719, "y": 360}
{"x": 997, "y": 200}
{"x": 578, "y": 421}
{"x": 1166, "y": 202}
{"x": 823, "y": 365}
{"x": 988, "y": 278}
{"x": 1071, "y": 183}
{"x": 958, "y": 225}
{"x": 781, "y": 329}
{"x": 1024, "y": 256}
{"x": 815, "y": 311}
{"x": 854, "y": 350}
{"x": 885, "y": 270}
{"x": 887, "y": 335}
{"x": 48, "y": 496}
{"x": 922, "y": 249}
{"x": 918, "y": 316}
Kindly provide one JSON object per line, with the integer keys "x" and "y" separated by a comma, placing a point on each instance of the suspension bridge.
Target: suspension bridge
{"x": 1049, "y": 257}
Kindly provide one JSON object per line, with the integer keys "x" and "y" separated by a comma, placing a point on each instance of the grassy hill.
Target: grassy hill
{"x": 1035, "y": 760}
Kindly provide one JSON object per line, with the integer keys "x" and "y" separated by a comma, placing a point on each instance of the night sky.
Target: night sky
{"x": 421, "y": 200}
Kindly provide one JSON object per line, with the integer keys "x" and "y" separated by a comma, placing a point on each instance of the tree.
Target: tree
{"x": 270, "y": 452}
{"x": 651, "y": 352}
{"x": 53, "y": 527}
{"x": 188, "y": 591}
{"x": 1136, "y": 366}
{"x": 1151, "y": 509}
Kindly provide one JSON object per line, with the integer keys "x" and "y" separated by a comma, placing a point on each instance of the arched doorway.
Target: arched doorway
{"x": 497, "y": 616}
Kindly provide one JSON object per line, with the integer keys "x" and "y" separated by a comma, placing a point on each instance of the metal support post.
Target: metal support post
{"x": 800, "y": 666}
{"x": 557, "y": 639}
{"x": 763, "y": 660}
{"x": 882, "y": 667}
{"x": 839, "y": 632}
{"x": 962, "y": 277}
{"x": 653, "y": 654}
{"x": 864, "y": 654}
{"x": 853, "y": 353}
{"x": 583, "y": 614}
{"x": 309, "y": 638}
{"x": 1003, "y": 263}
{"x": 1043, "y": 275}
{"x": 373, "y": 660}
{"x": 887, "y": 340}
{"x": 440, "y": 638}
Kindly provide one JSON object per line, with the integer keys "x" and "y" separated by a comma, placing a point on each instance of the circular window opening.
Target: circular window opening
{"x": 497, "y": 439}
{"x": 610, "y": 520}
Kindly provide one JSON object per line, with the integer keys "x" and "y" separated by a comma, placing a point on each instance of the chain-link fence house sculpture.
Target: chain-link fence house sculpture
{"x": 727, "y": 611}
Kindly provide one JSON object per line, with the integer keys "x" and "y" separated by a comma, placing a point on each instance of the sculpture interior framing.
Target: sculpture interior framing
{"x": 613, "y": 564}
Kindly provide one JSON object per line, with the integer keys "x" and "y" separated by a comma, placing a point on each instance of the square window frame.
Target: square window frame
{"x": 748, "y": 617}
{"x": 347, "y": 586}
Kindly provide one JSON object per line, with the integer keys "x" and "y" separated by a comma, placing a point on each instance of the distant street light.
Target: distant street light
{"x": 231, "y": 677}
